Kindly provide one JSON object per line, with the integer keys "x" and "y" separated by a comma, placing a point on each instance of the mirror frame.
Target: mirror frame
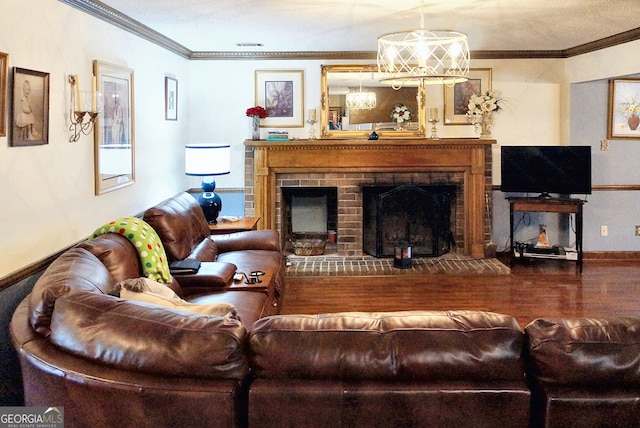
{"x": 356, "y": 68}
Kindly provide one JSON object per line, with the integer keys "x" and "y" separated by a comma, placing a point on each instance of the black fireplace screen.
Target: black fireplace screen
{"x": 418, "y": 215}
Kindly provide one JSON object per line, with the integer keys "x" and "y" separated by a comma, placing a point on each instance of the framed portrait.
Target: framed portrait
{"x": 281, "y": 93}
{"x": 114, "y": 147}
{"x": 4, "y": 58}
{"x": 456, "y": 98}
{"x": 624, "y": 108}
{"x": 30, "y": 108}
{"x": 170, "y": 98}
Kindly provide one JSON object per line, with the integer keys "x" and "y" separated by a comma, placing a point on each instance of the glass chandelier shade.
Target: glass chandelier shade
{"x": 360, "y": 100}
{"x": 423, "y": 56}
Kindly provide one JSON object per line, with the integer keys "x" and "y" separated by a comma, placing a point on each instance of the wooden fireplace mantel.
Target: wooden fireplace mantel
{"x": 465, "y": 155}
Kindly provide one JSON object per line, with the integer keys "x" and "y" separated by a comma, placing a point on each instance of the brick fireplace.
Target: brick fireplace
{"x": 349, "y": 165}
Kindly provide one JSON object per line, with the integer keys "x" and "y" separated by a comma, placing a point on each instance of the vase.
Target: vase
{"x": 255, "y": 128}
{"x": 483, "y": 124}
{"x": 633, "y": 122}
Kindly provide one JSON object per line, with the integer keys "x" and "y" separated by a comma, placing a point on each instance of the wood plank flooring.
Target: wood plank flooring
{"x": 538, "y": 289}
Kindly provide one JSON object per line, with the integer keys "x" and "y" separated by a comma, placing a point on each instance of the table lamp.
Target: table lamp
{"x": 208, "y": 160}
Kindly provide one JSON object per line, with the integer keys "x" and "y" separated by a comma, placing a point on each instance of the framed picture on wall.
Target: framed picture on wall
{"x": 624, "y": 108}
{"x": 456, "y": 98}
{"x": 170, "y": 98}
{"x": 114, "y": 146}
{"x": 281, "y": 93}
{"x": 4, "y": 58}
{"x": 29, "y": 108}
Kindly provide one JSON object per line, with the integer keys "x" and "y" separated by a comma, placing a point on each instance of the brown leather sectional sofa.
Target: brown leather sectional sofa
{"x": 115, "y": 362}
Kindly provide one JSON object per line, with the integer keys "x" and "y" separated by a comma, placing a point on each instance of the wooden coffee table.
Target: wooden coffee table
{"x": 241, "y": 225}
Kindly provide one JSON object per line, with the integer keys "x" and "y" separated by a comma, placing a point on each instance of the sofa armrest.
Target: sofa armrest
{"x": 264, "y": 239}
{"x": 211, "y": 276}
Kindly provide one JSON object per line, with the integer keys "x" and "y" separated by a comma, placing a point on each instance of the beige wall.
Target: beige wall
{"x": 47, "y": 192}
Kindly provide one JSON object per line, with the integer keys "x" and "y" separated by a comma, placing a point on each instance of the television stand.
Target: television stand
{"x": 551, "y": 205}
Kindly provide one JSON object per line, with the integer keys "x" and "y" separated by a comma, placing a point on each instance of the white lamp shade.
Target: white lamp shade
{"x": 207, "y": 159}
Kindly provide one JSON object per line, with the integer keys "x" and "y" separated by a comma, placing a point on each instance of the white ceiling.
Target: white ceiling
{"x": 354, "y": 25}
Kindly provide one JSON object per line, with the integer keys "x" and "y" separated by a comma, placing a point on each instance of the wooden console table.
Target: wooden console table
{"x": 550, "y": 205}
{"x": 241, "y": 225}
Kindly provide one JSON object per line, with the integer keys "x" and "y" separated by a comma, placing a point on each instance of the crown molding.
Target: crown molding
{"x": 100, "y": 10}
{"x": 284, "y": 55}
{"x": 607, "y": 42}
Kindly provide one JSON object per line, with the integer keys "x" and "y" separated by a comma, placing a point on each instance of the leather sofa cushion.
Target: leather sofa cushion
{"x": 75, "y": 270}
{"x": 149, "y": 339}
{"x": 182, "y": 227}
{"x": 427, "y": 345}
{"x": 263, "y": 239}
{"x": 585, "y": 351}
{"x": 117, "y": 253}
{"x": 120, "y": 257}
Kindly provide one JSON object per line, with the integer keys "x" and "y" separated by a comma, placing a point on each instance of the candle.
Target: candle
{"x": 312, "y": 114}
{"x": 78, "y": 99}
{"x": 433, "y": 114}
{"x": 93, "y": 94}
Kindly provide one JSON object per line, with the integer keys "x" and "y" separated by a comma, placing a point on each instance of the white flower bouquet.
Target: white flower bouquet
{"x": 400, "y": 114}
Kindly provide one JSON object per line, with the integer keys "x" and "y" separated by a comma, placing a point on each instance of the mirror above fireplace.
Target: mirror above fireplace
{"x": 340, "y": 119}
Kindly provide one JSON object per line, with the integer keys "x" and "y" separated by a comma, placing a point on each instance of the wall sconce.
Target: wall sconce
{"x": 207, "y": 160}
{"x": 84, "y": 108}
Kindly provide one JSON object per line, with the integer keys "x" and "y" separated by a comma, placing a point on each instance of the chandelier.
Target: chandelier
{"x": 423, "y": 56}
{"x": 360, "y": 100}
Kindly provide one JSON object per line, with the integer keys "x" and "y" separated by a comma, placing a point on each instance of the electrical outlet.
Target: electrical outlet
{"x": 604, "y": 145}
{"x": 637, "y": 229}
{"x": 604, "y": 230}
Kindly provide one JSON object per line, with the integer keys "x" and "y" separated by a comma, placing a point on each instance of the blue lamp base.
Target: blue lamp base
{"x": 210, "y": 201}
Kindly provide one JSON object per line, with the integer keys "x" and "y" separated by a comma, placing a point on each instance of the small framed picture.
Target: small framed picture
{"x": 3, "y": 93}
{"x": 456, "y": 98}
{"x": 170, "y": 98}
{"x": 624, "y": 108}
{"x": 114, "y": 134}
{"x": 281, "y": 93}
{"x": 30, "y": 108}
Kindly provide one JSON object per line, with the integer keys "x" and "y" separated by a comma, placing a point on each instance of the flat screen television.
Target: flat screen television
{"x": 563, "y": 170}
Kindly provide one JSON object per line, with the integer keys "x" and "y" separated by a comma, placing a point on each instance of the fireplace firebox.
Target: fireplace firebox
{"x": 418, "y": 215}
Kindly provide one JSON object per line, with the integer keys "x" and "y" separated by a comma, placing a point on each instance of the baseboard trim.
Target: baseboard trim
{"x": 611, "y": 255}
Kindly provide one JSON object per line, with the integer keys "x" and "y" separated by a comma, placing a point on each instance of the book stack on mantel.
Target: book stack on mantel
{"x": 278, "y": 136}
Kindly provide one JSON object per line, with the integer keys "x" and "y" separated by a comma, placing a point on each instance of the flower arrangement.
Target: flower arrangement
{"x": 630, "y": 108}
{"x": 484, "y": 102}
{"x": 400, "y": 113}
{"x": 480, "y": 111}
{"x": 257, "y": 111}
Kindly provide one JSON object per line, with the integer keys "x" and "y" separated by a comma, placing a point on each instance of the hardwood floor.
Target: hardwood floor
{"x": 539, "y": 289}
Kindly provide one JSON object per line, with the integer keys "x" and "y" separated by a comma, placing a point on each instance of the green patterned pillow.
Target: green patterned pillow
{"x": 146, "y": 241}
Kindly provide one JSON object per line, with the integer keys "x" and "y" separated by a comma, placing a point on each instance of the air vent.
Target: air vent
{"x": 249, "y": 44}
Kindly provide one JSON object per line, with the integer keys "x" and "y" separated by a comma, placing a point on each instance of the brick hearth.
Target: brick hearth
{"x": 448, "y": 264}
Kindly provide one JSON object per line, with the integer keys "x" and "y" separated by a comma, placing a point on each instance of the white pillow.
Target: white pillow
{"x": 149, "y": 291}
